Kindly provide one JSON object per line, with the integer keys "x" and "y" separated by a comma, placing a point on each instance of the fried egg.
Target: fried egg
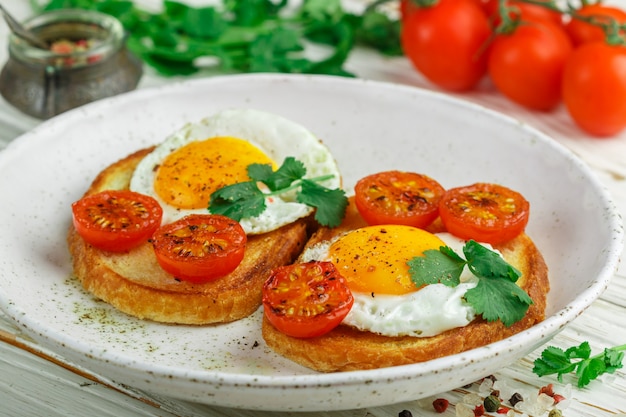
{"x": 373, "y": 260}
{"x": 183, "y": 171}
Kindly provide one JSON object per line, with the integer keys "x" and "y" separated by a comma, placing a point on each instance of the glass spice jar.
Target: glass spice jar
{"x": 87, "y": 60}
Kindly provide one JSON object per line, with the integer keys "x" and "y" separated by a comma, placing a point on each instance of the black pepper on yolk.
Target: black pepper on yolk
{"x": 188, "y": 176}
{"x": 374, "y": 259}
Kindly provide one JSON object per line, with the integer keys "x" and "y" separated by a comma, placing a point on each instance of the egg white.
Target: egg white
{"x": 428, "y": 312}
{"x": 276, "y": 136}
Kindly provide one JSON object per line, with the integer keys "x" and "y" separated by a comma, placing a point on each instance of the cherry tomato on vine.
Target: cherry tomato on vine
{"x": 594, "y": 88}
{"x": 116, "y": 220}
{"x": 524, "y": 11}
{"x": 307, "y": 299}
{"x": 200, "y": 247}
{"x": 409, "y": 6}
{"x": 447, "y": 42}
{"x": 397, "y": 197}
{"x": 484, "y": 212}
{"x": 581, "y": 32}
{"x": 527, "y": 65}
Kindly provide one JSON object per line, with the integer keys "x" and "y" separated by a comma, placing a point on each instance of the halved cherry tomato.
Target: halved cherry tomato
{"x": 200, "y": 247}
{"x": 307, "y": 299}
{"x": 116, "y": 220}
{"x": 447, "y": 42}
{"x": 581, "y": 31}
{"x": 397, "y": 197}
{"x": 484, "y": 212}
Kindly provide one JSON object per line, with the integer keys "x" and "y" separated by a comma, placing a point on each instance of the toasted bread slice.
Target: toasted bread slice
{"x": 346, "y": 348}
{"x": 134, "y": 283}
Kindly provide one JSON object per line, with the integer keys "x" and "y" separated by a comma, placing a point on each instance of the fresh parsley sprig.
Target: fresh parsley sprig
{"x": 244, "y": 35}
{"x": 578, "y": 359}
{"x": 496, "y": 297}
{"x": 246, "y": 199}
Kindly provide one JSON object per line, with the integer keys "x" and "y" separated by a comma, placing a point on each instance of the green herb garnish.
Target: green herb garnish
{"x": 578, "y": 359}
{"x": 246, "y": 199}
{"x": 245, "y": 35}
{"x": 496, "y": 297}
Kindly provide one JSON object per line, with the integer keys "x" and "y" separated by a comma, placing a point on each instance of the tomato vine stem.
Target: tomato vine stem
{"x": 609, "y": 25}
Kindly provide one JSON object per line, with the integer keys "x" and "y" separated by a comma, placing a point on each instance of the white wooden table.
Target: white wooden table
{"x": 35, "y": 382}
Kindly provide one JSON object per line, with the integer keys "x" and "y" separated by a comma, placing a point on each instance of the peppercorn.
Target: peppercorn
{"x": 440, "y": 405}
{"x": 555, "y": 413}
{"x": 491, "y": 403}
{"x": 515, "y": 398}
{"x": 405, "y": 413}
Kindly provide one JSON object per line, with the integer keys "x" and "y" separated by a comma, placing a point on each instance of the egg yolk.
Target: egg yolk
{"x": 186, "y": 177}
{"x": 374, "y": 259}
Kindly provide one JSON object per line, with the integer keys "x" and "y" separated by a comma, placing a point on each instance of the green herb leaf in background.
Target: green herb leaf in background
{"x": 245, "y": 35}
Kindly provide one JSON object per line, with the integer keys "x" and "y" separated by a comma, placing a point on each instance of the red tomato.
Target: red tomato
{"x": 524, "y": 11}
{"x": 116, "y": 220}
{"x": 446, "y": 43}
{"x": 306, "y": 300}
{"x": 484, "y": 212}
{"x": 407, "y": 7}
{"x": 581, "y": 32}
{"x": 594, "y": 88}
{"x": 200, "y": 247}
{"x": 396, "y": 197}
{"x": 527, "y": 65}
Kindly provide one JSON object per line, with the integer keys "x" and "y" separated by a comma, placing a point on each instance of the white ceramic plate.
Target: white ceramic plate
{"x": 370, "y": 127}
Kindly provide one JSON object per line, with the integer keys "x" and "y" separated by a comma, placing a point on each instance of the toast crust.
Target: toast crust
{"x": 347, "y": 349}
{"x": 134, "y": 283}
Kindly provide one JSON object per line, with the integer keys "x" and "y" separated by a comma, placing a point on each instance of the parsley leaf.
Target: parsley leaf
{"x": 495, "y": 297}
{"x": 253, "y": 12}
{"x": 203, "y": 22}
{"x": 377, "y": 30}
{"x": 486, "y": 263}
{"x": 272, "y": 52}
{"x": 290, "y": 171}
{"x": 442, "y": 265}
{"x": 245, "y": 199}
{"x": 237, "y": 201}
{"x": 555, "y": 360}
{"x": 330, "y": 204}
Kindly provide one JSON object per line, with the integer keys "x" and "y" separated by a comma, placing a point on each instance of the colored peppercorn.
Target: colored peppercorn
{"x": 405, "y": 413}
{"x": 440, "y": 405}
{"x": 515, "y": 398}
{"x": 555, "y": 413}
{"x": 491, "y": 403}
